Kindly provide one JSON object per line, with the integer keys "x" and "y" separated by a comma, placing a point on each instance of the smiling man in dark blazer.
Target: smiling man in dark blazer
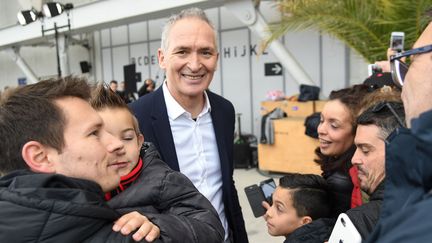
{"x": 192, "y": 127}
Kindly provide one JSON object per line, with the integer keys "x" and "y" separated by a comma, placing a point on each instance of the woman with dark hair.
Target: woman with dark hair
{"x": 336, "y": 133}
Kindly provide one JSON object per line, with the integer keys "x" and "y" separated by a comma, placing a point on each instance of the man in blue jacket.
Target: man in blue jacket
{"x": 406, "y": 212}
{"x": 192, "y": 127}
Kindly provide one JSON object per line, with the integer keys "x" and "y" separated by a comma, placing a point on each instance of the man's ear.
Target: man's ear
{"x": 161, "y": 58}
{"x": 36, "y": 156}
{"x": 306, "y": 220}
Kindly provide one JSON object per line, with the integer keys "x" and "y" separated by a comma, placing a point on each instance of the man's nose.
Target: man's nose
{"x": 194, "y": 62}
{"x": 114, "y": 144}
{"x": 355, "y": 160}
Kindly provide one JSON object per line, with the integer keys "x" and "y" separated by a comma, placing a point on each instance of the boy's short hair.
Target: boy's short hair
{"x": 103, "y": 97}
{"x": 309, "y": 194}
{"x": 30, "y": 113}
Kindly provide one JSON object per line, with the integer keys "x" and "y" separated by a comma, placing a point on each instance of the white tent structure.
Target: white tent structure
{"x": 112, "y": 33}
{"x": 100, "y": 15}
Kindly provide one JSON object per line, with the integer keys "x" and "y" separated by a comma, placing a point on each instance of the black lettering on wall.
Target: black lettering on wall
{"x": 227, "y": 52}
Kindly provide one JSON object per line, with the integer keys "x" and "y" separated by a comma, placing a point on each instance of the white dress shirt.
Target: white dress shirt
{"x": 197, "y": 151}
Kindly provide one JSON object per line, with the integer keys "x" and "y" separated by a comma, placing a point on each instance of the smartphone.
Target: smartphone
{"x": 373, "y": 68}
{"x": 397, "y": 41}
{"x": 255, "y": 197}
{"x": 268, "y": 186}
{"x": 344, "y": 231}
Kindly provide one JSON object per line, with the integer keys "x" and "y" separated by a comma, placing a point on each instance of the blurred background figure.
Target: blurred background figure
{"x": 121, "y": 86}
{"x": 149, "y": 86}
{"x": 120, "y": 91}
{"x": 113, "y": 85}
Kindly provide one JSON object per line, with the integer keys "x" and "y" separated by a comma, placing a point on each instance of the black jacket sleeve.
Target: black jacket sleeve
{"x": 169, "y": 200}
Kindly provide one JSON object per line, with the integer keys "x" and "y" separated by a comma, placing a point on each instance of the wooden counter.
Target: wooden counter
{"x": 292, "y": 151}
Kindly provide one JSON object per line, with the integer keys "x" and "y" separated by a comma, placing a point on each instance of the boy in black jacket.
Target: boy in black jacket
{"x": 297, "y": 201}
{"x": 149, "y": 186}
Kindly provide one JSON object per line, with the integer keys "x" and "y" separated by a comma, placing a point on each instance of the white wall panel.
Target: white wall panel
{"x": 228, "y": 20}
{"x": 304, "y": 46}
{"x": 107, "y": 65}
{"x": 261, "y": 84}
{"x": 138, "y": 32}
{"x": 269, "y": 10}
{"x": 236, "y": 74}
{"x": 157, "y": 74}
{"x": 120, "y": 58}
{"x": 216, "y": 84}
{"x": 155, "y": 28}
{"x": 358, "y": 68}
{"x": 333, "y": 65}
{"x": 77, "y": 54}
{"x": 119, "y": 35}
{"x": 139, "y": 55}
{"x": 42, "y": 60}
{"x": 96, "y": 56}
{"x": 10, "y": 77}
{"x": 213, "y": 16}
{"x": 105, "y": 37}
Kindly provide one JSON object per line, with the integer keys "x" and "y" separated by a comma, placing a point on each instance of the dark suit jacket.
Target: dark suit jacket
{"x": 152, "y": 116}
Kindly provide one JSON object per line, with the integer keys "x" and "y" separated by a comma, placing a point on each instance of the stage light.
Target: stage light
{"x": 53, "y": 9}
{"x": 27, "y": 16}
{"x": 49, "y": 10}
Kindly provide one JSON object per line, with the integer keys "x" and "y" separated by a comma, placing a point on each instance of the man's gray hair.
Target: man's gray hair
{"x": 186, "y": 13}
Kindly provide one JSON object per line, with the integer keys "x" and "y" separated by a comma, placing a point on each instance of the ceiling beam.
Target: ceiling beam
{"x": 98, "y": 15}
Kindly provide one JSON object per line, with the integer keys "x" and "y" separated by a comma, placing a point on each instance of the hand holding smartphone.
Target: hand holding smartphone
{"x": 255, "y": 197}
{"x": 397, "y": 41}
{"x": 258, "y": 194}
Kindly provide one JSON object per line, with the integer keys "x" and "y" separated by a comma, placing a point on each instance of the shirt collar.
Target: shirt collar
{"x": 175, "y": 110}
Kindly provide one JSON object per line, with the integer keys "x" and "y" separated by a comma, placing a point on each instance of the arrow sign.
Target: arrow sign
{"x": 273, "y": 69}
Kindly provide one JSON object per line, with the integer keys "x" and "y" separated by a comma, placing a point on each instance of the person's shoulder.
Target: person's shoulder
{"x": 157, "y": 173}
{"x": 421, "y": 125}
{"x": 318, "y": 230}
{"x": 152, "y": 159}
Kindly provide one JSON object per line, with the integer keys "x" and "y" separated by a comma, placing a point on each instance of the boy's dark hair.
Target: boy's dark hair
{"x": 103, "y": 97}
{"x": 30, "y": 113}
{"x": 387, "y": 116}
{"x": 309, "y": 194}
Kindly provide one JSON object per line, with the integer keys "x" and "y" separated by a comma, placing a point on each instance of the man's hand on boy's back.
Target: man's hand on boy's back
{"x": 134, "y": 220}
